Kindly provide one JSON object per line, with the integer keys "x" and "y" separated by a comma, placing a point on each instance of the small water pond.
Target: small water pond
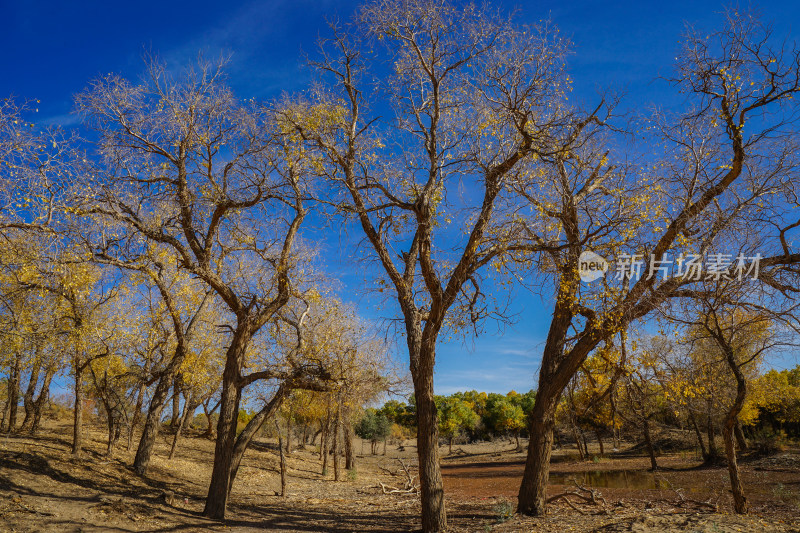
{"x": 611, "y": 479}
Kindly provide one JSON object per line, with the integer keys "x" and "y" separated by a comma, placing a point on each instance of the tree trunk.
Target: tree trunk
{"x": 176, "y": 403}
{"x": 533, "y": 490}
{"x": 450, "y": 449}
{"x": 137, "y": 410}
{"x": 77, "y": 413}
{"x": 349, "y": 453}
{"x": 189, "y": 406}
{"x": 741, "y": 441}
{"x": 217, "y": 499}
{"x": 44, "y": 395}
{"x": 113, "y": 423}
{"x": 13, "y": 394}
{"x": 152, "y": 424}
{"x": 648, "y": 441}
{"x": 289, "y": 432}
{"x": 577, "y": 437}
{"x": 336, "y": 429}
{"x": 739, "y": 500}
{"x": 283, "y": 464}
{"x": 600, "y": 441}
{"x": 252, "y": 427}
{"x": 27, "y": 398}
{"x": 585, "y": 443}
{"x": 325, "y": 442}
{"x": 713, "y": 454}
{"x": 699, "y": 436}
{"x": 434, "y": 515}
{"x": 209, "y": 434}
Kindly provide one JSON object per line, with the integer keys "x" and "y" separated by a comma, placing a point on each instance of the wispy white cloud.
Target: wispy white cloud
{"x": 64, "y": 120}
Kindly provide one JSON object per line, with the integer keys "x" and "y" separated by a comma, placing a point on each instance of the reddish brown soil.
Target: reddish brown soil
{"x": 44, "y": 488}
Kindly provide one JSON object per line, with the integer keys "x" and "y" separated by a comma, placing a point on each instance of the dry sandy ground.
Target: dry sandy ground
{"x": 43, "y": 488}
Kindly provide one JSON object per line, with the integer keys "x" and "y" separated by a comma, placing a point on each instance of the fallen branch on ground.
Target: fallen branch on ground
{"x": 410, "y": 486}
{"x": 587, "y": 495}
{"x": 682, "y": 500}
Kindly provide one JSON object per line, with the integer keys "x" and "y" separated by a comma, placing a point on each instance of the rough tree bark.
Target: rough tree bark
{"x": 188, "y": 410}
{"x": 699, "y": 435}
{"x": 739, "y": 499}
{"x": 77, "y": 412}
{"x": 42, "y": 399}
{"x": 152, "y": 423}
{"x": 27, "y": 398}
{"x": 12, "y": 404}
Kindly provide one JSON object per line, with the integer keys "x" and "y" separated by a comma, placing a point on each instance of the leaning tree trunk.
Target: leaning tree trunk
{"x": 434, "y": 515}
{"x": 713, "y": 454}
{"x": 137, "y": 410}
{"x": 152, "y": 424}
{"x": 741, "y": 441}
{"x": 189, "y": 407}
{"x": 209, "y": 433}
{"x": 648, "y": 441}
{"x": 27, "y": 398}
{"x": 252, "y": 427}
{"x": 699, "y": 436}
{"x": 41, "y": 400}
{"x": 577, "y": 438}
{"x": 176, "y": 404}
{"x": 739, "y": 500}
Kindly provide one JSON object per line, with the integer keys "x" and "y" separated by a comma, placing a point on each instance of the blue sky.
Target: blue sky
{"x": 51, "y": 50}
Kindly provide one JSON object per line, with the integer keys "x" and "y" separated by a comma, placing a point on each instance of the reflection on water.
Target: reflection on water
{"x": 612, "y": 479}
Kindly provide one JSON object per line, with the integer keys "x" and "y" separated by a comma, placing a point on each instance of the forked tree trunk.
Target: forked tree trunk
{"x": 600, "y": 441}
{"x": 739, "y": 500}
{"x": 27, "y": 398}
{"x": 114, "y": 429}
{"x": 585, "y": 443}
{"x": 209, "y": 423}
{"x": 41, "y": 400}
{"x": 577, "y": 437}
{"x": 252, "y": 427}
{"x": 218, "y": 490}
{"x": 137, "y": 410}
{"x": 152, "y": 424}
{"x": 189, "y": 407}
